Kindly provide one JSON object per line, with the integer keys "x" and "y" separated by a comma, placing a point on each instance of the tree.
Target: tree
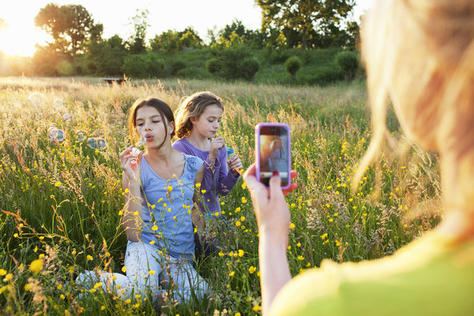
{"x": 69, "y": 25}
{"x": 236, "y": 34}
{"x": 106, "y": 57}
{"x": 171, "y": 41}
{"x": 302, "y": 20}
{"x": 140, "y": 25}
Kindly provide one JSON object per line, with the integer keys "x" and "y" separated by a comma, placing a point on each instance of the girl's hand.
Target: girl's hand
{"x": 271, "y": 210}
{"x": 130, "y": 169}
{"x": 235, "y": 164}
{"x": 216, "y": 144}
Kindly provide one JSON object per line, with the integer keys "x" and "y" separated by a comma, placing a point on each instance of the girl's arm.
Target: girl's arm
{"x": 132, "y": 210}
{"x": 227, "y": 180}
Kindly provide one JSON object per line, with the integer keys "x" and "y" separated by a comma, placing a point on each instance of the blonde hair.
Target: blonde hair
{"x": 194, "y": 106}
{"x": 420, "y": 55}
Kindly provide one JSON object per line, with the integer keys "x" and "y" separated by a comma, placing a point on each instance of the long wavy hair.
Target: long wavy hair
{"x": 419, "y": 54}
{"x": 194, "y": 106}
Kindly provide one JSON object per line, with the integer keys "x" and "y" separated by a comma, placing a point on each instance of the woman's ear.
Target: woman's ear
{"x": 193, "y": 119}
{"x": 171, "y": 125}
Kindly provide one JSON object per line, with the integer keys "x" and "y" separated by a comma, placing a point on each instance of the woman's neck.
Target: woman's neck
{"x": 198, "y": 141}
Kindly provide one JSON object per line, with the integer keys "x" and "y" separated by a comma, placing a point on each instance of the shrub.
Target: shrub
{"x": 65, "y": 68}
{"x": 349, "y": 63}
{"x": 233, "y": 63}
{"x": 214, "y": 66}
{"x": 292, "y": 65}
{"x": 143, "y": 65}
{"x": 278, "y": 56}
{"x": 322, "y": 76}
{"x": 177, "y": 67}
{"x": 248, "y": 68}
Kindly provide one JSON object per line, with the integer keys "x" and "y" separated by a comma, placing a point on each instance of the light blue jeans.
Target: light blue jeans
{"x": 148, "y": 270}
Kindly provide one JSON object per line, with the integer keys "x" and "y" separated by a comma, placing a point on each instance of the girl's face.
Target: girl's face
{"x": 207, "y": 124}
{"x": 150, "y": 124}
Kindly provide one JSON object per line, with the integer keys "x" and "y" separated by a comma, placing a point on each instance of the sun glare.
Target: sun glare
{"x": 20, "y": 39}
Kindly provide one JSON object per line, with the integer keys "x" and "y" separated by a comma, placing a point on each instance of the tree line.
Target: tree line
{"x": 78, "y": 47}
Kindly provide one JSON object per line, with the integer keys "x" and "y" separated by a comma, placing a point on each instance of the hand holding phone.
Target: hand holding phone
{"x": 272, "y": 148}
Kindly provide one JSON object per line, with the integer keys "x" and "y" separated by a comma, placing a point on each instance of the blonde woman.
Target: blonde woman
{"x": 420, "y": 55}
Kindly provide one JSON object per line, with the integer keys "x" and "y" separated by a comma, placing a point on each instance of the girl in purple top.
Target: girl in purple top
{"x": 197, "y": 123}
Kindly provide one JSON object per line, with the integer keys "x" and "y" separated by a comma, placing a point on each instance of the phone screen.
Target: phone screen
{"x": 274, "y": 154}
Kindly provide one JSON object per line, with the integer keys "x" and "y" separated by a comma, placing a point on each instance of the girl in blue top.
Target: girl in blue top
{"x": 159, "y": 186}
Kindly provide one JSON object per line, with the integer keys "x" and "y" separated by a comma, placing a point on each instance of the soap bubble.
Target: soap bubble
{"x": 56, "y": 134}
{"x": 36, "y": 99}
{"x": 81, "y": 136}
{"x": 96, "y": 143}
{"x": 58, "y": 101}
{"x": 67, "y": 117}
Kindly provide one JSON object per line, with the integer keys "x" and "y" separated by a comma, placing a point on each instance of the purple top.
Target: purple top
{"x": 217, "y": 178}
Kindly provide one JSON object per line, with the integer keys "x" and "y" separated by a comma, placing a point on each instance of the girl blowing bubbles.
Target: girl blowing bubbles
{"x": 197, "y": 123}
{"x": 157, "y": 213}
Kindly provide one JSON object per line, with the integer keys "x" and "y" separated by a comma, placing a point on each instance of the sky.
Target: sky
{"x": 20, "y": 35}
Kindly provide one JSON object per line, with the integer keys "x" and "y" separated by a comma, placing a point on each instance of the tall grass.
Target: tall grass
{"x": 61, "y": 202}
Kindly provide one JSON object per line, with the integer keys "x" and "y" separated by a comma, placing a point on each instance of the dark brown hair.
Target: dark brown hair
{"x": 162, "y": 108}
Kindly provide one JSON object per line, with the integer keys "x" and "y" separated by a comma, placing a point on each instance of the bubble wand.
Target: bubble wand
{"x": 136, "y": 151}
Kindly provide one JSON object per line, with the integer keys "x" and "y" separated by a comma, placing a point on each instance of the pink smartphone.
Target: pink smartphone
{"x": 272, "y": 148}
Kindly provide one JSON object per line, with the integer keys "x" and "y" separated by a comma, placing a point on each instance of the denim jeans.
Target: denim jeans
{"x": 148, "y": 270}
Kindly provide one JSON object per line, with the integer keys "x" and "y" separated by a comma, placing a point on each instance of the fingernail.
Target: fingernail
{"x": 275, "y": 173}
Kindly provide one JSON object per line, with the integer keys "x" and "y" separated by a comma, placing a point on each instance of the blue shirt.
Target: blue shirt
{"x": 166, "y": 212}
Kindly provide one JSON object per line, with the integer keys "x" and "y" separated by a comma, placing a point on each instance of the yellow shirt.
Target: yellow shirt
{"x": 426, "y": 277}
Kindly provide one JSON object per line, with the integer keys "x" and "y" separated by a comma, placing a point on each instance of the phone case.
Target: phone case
{"x": 257, "y": 147}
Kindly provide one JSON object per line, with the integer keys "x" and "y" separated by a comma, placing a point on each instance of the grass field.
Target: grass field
{"x": 60, "y": 202}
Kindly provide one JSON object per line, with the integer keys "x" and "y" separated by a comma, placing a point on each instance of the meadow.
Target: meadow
{"x": 61, "y": 201}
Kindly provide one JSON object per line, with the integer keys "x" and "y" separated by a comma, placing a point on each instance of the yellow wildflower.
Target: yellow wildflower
{"x": 124, "y": 269}
{"x": 256, "y": 308}
{"x": 89, "y": 258}
{"x": 232, "y": 273}
{"x": 241, "y": 253}
{"x": 8, "y": 277}
{"x": 292, "y": 226}
{"x": 252, "y": 269}
{"x": 36, "y": 266}
{"x": 3, "y": 272}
